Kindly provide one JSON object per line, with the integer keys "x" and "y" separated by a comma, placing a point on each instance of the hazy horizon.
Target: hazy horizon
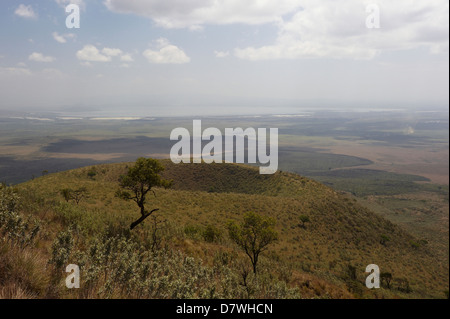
{"x": 76, "y": 112}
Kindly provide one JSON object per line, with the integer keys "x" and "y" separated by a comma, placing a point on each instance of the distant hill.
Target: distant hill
{"x": 326, "y": 258}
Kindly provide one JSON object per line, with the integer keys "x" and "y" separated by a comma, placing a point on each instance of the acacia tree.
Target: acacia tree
{"x": 253, "y": 235}
{"x": 66, "y": 193}
{"x": 138, "y": 182}
{"x": 75, "y": 195}
{"x": 386, "y": 278}
{"x": 80, "y": 193}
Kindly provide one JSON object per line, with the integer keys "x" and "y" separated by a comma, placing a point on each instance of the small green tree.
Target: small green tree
{"x": 414, "y": 244}
{"x": 254, "y": 235}
{"x": 211, "y": 234}
{"x": 304, "y": 219}
{"x": 386, "y": 279}
{"x": 66, "y": 193}
{"x": 384, "y": 239}
{"x": 138, "y": 182}
{"x": 352, "y": 272}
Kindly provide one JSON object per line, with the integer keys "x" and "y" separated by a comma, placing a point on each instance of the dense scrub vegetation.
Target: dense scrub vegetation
{"x": 185, "y": 250}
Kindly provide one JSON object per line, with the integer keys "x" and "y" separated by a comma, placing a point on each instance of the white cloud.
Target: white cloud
{"x": 112, "y": 52}
{"x": 15, "y": 71}
{"x": 337, "y": 29}
{"x": 167, "y": 54}
{"x": 26, "y": 12}
{"x": 90, "y": 53}
{"x": 63, "y": 37}
{"x": 221, "y": 54}
{"x": 126, "y": 58}
{"x": 59, "y": 38}
{"x": 39, "y": 57}
{"x": 309, "y": 28}
{"x": 193, "y": 14}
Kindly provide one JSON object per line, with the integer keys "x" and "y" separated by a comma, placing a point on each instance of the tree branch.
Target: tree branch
{"x": 143, "y": 217}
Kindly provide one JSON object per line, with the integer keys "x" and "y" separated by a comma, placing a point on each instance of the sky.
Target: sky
{"x": 183, "y": 57}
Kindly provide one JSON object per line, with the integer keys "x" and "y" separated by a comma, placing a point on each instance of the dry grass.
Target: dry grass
{"x": 314, "y": 259}
{"x": 24, "y": 272}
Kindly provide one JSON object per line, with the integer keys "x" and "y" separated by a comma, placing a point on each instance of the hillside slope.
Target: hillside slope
{"x": 325, "y": 258}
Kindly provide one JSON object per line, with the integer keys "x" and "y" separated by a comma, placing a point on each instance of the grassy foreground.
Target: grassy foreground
{"x": 185, "y": 250}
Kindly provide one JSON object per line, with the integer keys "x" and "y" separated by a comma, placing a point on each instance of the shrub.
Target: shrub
{"x": 192, "y": 231}
{"x": 304, "y": 219}
{"x": 212, "y": 234}
{"x": 92, "y": 173}
{"x": 13, "y": 227}
{"x": 414, "y": 245}
{"x": 61, "y": 249}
